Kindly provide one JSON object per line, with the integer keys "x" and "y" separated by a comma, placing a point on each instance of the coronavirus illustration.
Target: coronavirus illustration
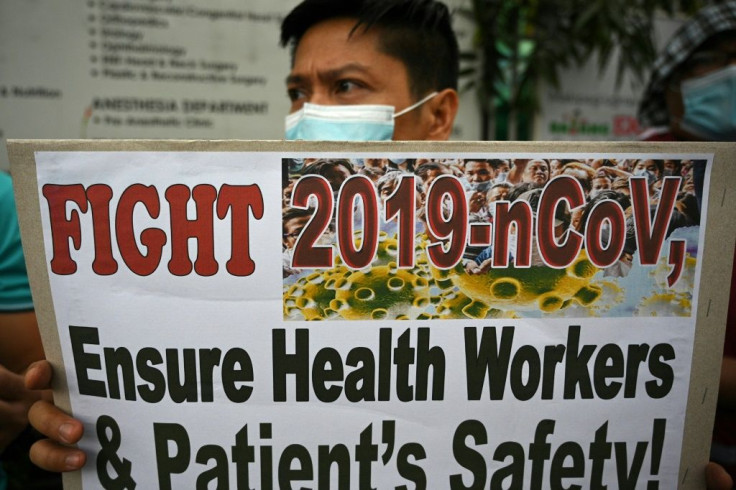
{"x": 537, "y": 287}
{"x": 415, "y": 240}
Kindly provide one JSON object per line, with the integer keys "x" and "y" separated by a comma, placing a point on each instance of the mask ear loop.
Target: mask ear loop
{"x": 415, "y": 105}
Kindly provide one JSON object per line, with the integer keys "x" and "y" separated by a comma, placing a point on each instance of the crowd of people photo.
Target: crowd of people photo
{"x": 487, "y": 181}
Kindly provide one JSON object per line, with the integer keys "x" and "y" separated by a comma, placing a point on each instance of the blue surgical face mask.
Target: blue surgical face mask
{"x": 345, "y": 122}
{"x": 642, "y": 172}
{"x": 479, "y": 186}
{"x": 710, "y": 105}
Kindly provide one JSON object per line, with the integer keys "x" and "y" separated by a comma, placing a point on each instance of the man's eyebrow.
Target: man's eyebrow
{"x": 332, "y": 74}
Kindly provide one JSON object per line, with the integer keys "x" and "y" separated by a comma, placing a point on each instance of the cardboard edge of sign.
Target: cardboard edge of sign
{"x": 716, "y": 267}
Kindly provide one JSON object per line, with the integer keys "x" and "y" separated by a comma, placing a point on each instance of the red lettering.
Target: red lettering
{"x": 357, "y": 187}
{"x": 520, "y": 215}
{"x": 676, "y": 260}
{"x": 449, "y": 229}
{"x": 605, "y": 212}
{"x": 153, "y": 239}
{"x": 63, "y": 229}
{"x": 402, "y": 206}
{"x": 650, "y": 236}
{"x": 99, "y": 196}
{"x": 306, "y": 251}
{"x": 240, "y": 200}
{"x": 554, "y": 254}
{"x": 182, "y": 229}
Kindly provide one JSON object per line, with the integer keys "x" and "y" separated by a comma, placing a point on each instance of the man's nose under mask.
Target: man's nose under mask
{"x": 345, "y": 122}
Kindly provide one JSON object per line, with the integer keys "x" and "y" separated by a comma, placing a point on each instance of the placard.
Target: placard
{"x": 390, "y": 315}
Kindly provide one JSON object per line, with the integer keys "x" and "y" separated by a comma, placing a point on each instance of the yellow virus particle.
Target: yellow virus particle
{"x": 524, "y": 289}
{"x": 665, "y": 304}
{"x": 309, "y": 298}
{"x": 685, "y": 284}
{"x": 379, "y": 291}
{"x": 382, "y": 292}
{"x": 456, "y": 305}
{"x": 611, "y": 295}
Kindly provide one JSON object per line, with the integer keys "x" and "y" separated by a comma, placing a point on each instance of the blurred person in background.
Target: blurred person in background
{"x": 691, "y": 96}
{"x": 20, "y": 345}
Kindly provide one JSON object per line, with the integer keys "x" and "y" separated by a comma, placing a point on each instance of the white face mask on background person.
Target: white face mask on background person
{"x": 710, "y": 105}
{"x": 642, "y": 172}
{"x": 479, "y": 186}
{"x": 314, "y": 122}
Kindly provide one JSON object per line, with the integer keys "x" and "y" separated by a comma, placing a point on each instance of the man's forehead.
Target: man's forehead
{"x": 346, "y": 31}
{"x": 334, "y": 48}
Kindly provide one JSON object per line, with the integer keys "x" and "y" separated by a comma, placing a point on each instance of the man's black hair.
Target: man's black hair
{"x": 416, "y": 32}
{"x": 482, "y": 160}
{"x": 321, "y": 166}
{"x": 293, "y": 213}
{"x": 520, "y": 189}
{"x": 605, "y": 195}
{"x": 422, "y": 170}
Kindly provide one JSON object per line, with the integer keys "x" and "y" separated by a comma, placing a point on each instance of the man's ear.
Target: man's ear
{"x": 443, "y": 109}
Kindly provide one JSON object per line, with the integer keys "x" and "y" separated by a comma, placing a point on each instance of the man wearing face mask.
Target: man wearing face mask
{"x": 691, "y": 96}
{"x": 345, "y": 53}
{"x": 371, "y": 70}
{"x": 361, "y": 70}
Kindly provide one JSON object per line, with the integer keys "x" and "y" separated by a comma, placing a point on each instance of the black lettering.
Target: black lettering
{"x": 628, "y": 476}
{"x": 404, "y": 359}
{"x": 608, "y": 364}
{"x": 576, "y": 365}
{"x": 539, "y": 451}
{"x": 243, "y": 454}
{"x": 338, "y": 455}
{"x": 366, "y": 453}
{"x": 296, "y": 364}
{"x": 155, "y": 389}
{"x": 427, "y": 357}
{"x": 637, "y": 354}
{"x": 237, "y": 367}
{"x": 360, "y": 384}
{"x": 412, "y": 472}
{"x": 83, "y": 361}
{"x": 384, "y": 365}
{"x": 208, "y": 359}
{"x": 553, "y": 355}
{"x": 327, "y": 368}
{"x": 514, "y": 471}
{"x": 525, "y": 355}
{"x": 299, "y": 454}
{"x": 168, "y": 464}
{"x": 599, "y": 453}
{"x": 489, "y": 357}
{"x": 559, "y": 471}
{"x": 182, "y": 389}
{"x": 660, "y": 370}
{"x": 466, "y": 457}
{"x": 218, "y": 473}
{"x": 119, "y": 361}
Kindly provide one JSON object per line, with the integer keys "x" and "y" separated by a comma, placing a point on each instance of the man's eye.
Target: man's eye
{"x": 344, "y": 86}
{"x": 295, "y": 94}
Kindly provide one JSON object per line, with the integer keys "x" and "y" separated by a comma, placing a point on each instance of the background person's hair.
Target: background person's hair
{"x": 416, "y": 32}
{"x": 321, "y": 166}
{"x": 293, "y": 213}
